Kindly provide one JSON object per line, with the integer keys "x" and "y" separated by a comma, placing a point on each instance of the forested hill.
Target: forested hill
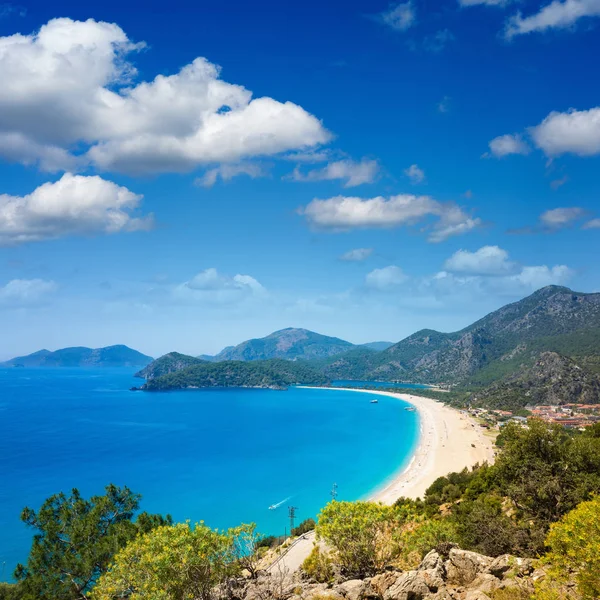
{"x": 110, "y": 356}
{"x": 169, "y": 363}
{"x": 275, "y": 374}
{"x": 289, "y": 344}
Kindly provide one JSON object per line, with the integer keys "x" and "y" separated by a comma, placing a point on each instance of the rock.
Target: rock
{"x": 476, "y": 595}
{"x": 432, "y": 561}
{"x": 433, "y": 571}
{"x": 409, "y": 586}
{"x": 485, "y": 583}
{"x": 510, "y": 566}
{"x": 463, "y": 566}
{"x": 320, "y": 594}
{"x": 381, "y": 583}
{"x": 353, "y": 589}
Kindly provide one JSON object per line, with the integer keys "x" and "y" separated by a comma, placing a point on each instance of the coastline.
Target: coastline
{"x": 449, "y": 440}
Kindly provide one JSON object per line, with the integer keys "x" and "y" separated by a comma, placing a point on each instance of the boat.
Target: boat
{"x": 375, "y": 401}
{"x": 410, "y": 408}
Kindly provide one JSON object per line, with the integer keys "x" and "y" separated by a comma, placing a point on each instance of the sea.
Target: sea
{"x": 224, "y": 456}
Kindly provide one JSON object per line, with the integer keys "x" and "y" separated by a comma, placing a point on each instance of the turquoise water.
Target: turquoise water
{"x": 223, "y": 456}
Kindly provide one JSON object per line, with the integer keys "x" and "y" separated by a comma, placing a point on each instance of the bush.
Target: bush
{"x": 575, "y": 548}
{"x": 170, "y": 563}
{"x": 318, "y": 565}
{"x": 9, "y": 592}
{"x": 420, "y": 537}
{"x": 362, "y": 534}
{"x": 304, "y": 527}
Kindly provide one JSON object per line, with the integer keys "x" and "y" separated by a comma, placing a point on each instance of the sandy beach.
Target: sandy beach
{"x": 449, "y": 441}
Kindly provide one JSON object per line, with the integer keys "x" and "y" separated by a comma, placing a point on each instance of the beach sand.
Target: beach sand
{"x": 449, "y": 440}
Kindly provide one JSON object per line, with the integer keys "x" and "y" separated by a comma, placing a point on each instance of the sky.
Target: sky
{"x": 188, "y": 175}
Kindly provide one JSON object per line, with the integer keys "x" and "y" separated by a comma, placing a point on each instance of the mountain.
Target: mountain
{"x": 553, "y": 379}
{"x": 111, "y": 356}
{"x": 275, "y": 374}
{"x": 377, "y": 346}
{"x": 551, "y": 319}
{"x": 169, "y": 363}
{"x": 289, "y": 344}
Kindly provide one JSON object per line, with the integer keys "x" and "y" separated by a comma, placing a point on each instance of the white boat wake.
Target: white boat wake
{"x": 276, "y": 506}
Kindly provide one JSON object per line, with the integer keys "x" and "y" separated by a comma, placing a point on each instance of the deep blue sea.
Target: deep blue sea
{"x": 223, "y": 456}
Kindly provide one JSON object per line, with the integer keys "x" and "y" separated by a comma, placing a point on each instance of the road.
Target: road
{"x": 296, "y": 554}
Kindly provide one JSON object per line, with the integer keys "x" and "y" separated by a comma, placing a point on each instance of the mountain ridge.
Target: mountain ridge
{"x": 81, "y": 356}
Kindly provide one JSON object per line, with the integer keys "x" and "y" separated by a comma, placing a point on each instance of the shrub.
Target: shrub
{"x": 304, "y": 527}
{"x": 318, "y": 565}
{"x": 575, "y": 548}
{"x": 420, "y": 537}
{"x": 362, "y": 534}
{"x": 170, "y": 563}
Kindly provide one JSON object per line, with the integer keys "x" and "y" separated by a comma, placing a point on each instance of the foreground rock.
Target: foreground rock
{"x": 461, "y": 575}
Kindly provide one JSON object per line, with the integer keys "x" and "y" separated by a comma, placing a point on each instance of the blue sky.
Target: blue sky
{"x": 190, "y": 175}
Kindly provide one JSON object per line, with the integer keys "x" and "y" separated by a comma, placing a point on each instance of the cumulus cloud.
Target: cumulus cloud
{"x": 534, "y": 278}
{"x": 344, "y": 213}
{"x": 415, "y": 174}
{"x": 351, "y": 172}
{"x": 574, "y": 131}
{"x": 71, "y": 85}
{"x": 488, "y": 260}
{"x": 385, "y": 279}
{"x": 592, "y": 224}
{"x": 73, "y": 205}
{"x": 26, "y": 292}
{"x": 556, "y": 15}
{"x": 227, "y": 172}
{"x": 399, "y": 16}
{"x": 357, "y": 255}
{"x": 504, "y": 145}
{"x": 211, "y": 287}
{"x": 557, "y": 218}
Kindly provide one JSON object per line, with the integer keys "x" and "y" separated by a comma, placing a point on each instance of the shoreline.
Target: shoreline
{"x": 449, "y": 440}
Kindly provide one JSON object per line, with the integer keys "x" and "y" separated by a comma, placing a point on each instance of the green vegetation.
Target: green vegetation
{"x": 275, "y": 373}
{"x": 361, "y": 535}
{"x": 318, "y": 565}
{"x": 304, "y": 527}
{"x": 575, "y": 548}
{"x": 173, "y": 562}
{"x": 169, "y": 363}
{"x": 76, "y": 540}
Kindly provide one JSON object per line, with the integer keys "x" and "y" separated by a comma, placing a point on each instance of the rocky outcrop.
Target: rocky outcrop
{"x": 461, "y": 575}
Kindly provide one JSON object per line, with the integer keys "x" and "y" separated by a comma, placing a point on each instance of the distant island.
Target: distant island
{"x": 79, "y": 356}
{"x": 544, "y": 349}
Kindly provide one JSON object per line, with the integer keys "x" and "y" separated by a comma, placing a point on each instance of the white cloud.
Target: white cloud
{"x": 534, "y": 278}
{"x": 385, "y": 279}
{"x": 211, "y": 287}
{"x": 227, "y": 172}
{"x": 556, "y": 15}
{"x": 574, "y": 131}
{"x": 357, "y": 255}
{"x": 507, "y": 144}
{"x": 415, "y": 174}
{"x": 26, "y": 292}
{"x": 399, "y": 16}
{"x": 485, "y": 2}
{"x": 70, "y": 85}
{"x": 592, "y": 224}
{"x": 344, "y": 213}
{"x": 354, "y": 173}
{"x": 488, "y": 260}
{"x": 561, "y": 217}
{"x": 438, "y": 41}
{"x": 73, "y": 205}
